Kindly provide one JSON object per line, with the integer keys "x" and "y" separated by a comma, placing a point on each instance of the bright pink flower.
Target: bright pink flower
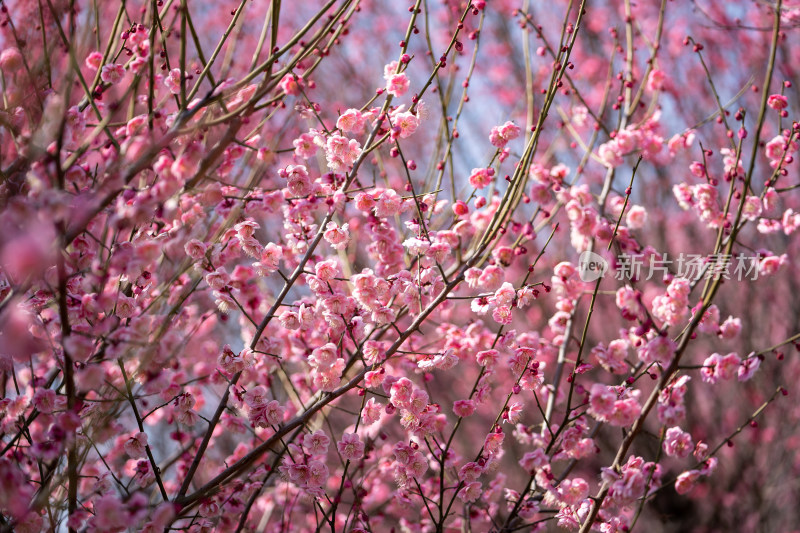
{"x": 291, "y": 84}
{"x": 777, "y": 102}
{"x": 317, "y": 443}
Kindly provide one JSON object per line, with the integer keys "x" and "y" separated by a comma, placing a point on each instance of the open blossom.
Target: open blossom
{"x": 305, "y": 146}
{"x": 607, "y": 405}
{"x": 397, "y": 84}
{"x": 678, "y": 443}
{"x": 135, "y": 446}
{"x": 686, "y": 481}
{"x": 777, "y": 102}
{"x": 299, "y": 181}
{"x": 226, "y": 231}
{"x": 513, "y": 413}
{"x": 372, "y": 412}
{"x": 470, "y": 492}
{"x": 341, "y": 152}
{"x": 126, "y": 307}
{"x": 173, "y": 81}
{"x": 337, "y": 236}
{"x": 112, "y": 73}
{"x": 350, "y": 447}
{"x": 752, "y": 208}
{"x": 658, "y": 350}
{"x": 317, "y": 443}
{"x": 481, "y": 177}
{"x": 771, "y": 263}
{"x": 231, "y": 362}
{"x": 628, "y": 301}
{"x": 636, "y": 217}
{"x": 717, "y": 367}
{"x": 487, "y": 358}
{"x": 291, "y": 84}
{"x": 656, "y": 80}
{"x": 748, "y": 367}
{"x": 407, "y": 124}
{"x": 464, "y": 408}
{"x": 501, "y": 135}
{"x": 351, "y": 121}
{"x": 267, "y": 414}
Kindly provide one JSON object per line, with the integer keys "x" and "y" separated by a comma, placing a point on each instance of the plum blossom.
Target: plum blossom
{"x": 350, "y": 446}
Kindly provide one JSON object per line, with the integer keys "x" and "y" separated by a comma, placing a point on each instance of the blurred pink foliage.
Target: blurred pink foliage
{"x": 428, "y": 266}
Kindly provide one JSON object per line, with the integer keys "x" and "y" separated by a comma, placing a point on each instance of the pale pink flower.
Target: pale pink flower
{"x": 126, "y": 307}
{"x": 304, "y": 146}
{"x": 463, "y": 408}
{"x": 350, "y": 446}
{"x": 656, "y": 80}
{"x": 317, "y": 443}
{"x": 397, "y": 84}
{"x": 752, "y": 208}
{"x": 337, "y": 236}
{"x": 195, "y": 249}
{"x": 93, "y": 60}
{"x": 636, "y": 217}
{"x": 481, "y": 177}
{"x": 678, "y": 443}
{"x": 501, "y": 135}
{"x": 135, "y": 445}
{"x": 371, "y": 412}
{"x": 686, "y": 481}
{"x": 112, "y": 73}
{"x": 173, "y": 81}
{"x": 407, "y": 124}
{"x": 514, "y": 413}
{"x": 470, "y": 492}
{"x": 291, "y": 84}
{"x": 341, "y": 152}
{"x": 730, "y": 328}
{"x": 769, "y": 265}
{"x": 748, "y": 367}
{"x": 487, "y": 358}
{"x": 351, "y": 121}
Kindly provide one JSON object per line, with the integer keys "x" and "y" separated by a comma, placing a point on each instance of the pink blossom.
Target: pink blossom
{"x": 291, "y": 84}
{"x": 686, "y": 481}
{"x": 678, "y": 443}
{"x": 337, "y": 236}
{"x": 656, "y": 80}
{"x": 480, "y": 177}
{"x": 173, "y": 81}
{"x": 351, "y": 121}
{"x": 777, "y": 102}
{"x": 317, "y": 443}
{"x": 501, "y": 135}
{"x": 350, "y": 447}
{"x": 112, "y": 73}
{"x": 470, "y": 492}
{"x": 463, "y": 408}
{"x": 397, "y": 84}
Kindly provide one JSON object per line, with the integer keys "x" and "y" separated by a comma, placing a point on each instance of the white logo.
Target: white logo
{"x": 591, "y": 266}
